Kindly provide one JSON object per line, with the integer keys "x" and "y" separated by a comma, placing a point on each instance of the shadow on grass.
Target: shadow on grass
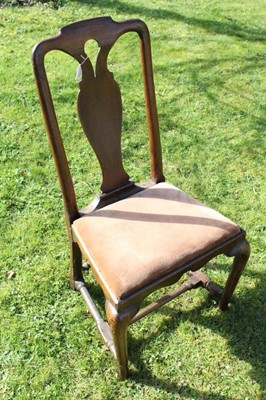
{"x": 243, "y": 326}
{"x": 230, "y": 28}
{"x": 218, "y": 91}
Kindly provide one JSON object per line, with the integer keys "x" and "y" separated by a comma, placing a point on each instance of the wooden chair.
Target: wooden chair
{"x": 136, "y": 238}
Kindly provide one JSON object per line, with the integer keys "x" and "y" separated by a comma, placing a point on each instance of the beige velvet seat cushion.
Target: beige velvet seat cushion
{"x": 137, "y": 240}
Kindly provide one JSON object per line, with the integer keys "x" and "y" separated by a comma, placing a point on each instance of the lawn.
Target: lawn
{"x": 209, "y": 65}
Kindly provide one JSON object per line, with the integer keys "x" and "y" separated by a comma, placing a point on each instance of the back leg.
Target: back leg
{"x": 75, "y": 264}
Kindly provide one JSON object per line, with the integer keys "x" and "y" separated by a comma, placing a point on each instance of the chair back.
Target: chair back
{"x": 99, "y": 102}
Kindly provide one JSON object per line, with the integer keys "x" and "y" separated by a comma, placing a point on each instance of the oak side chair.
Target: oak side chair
{"x": 136, "y": 238}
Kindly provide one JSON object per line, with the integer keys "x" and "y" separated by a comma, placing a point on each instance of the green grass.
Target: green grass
{"x": 209, "y": 64}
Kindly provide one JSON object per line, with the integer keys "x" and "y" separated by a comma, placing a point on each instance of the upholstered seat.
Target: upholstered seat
{"x": 145, "y": 236}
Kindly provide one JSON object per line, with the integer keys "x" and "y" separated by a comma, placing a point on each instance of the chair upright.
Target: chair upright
{"x": 136, "y": 238}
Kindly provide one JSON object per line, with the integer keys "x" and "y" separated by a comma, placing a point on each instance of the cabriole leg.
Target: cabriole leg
{"x": 118, "y": 322}
{"x": 241, "y": 253}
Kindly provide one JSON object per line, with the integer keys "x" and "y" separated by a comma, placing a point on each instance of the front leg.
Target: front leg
{"x": 241, "y": 253}
{"x": 118, "y": 322}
